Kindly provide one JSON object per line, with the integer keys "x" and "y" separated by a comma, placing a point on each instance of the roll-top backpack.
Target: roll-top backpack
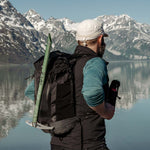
{"x": 57, "y": 105}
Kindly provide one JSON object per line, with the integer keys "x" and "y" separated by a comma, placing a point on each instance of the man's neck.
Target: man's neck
{"x": 93, "y": 47}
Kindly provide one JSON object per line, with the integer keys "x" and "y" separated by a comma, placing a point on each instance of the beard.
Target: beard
{"x": 100, "y": 50}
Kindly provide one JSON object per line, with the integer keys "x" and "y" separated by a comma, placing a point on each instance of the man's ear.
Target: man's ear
{"x": 99, "y": 40}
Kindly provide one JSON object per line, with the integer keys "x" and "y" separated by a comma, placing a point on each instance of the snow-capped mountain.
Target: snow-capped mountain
{"x": 35, "y": 18}
{"x": 19, "y": 41}
{"x": 127, "y": 38}
{"x": 63, "y": 39}
{"x": 23, "y": 37}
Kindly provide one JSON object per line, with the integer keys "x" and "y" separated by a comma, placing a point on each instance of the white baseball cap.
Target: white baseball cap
{"x": 89, "y": 29}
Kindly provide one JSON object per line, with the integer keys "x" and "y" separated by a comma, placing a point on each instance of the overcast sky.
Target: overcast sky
{"x": 78, "y": 10}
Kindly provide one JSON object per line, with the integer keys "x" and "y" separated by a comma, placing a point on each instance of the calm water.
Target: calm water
{"x": 128, "y": 130}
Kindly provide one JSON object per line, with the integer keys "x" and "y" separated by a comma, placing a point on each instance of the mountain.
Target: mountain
{"x": 19, "y": 41}
{"x": 62, "y": 39}
{"x": 35, "y": 18}
{"x": 23, "y": 37}
{"x": 128, "y": 40}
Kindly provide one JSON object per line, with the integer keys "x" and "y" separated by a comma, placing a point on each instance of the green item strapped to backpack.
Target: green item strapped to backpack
{"x": 54, "y": 92}
{"x": 57, "y": 105}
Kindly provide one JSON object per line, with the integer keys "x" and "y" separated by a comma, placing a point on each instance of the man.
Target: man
{"x": 91, "y": 92}
{"x": 93, "y": 103}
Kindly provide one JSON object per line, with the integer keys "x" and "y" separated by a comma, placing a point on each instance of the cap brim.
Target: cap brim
{"x": 105, "y": 35}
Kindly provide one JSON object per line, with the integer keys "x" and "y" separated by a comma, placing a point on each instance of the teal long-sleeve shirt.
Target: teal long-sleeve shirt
{"x": 94, "y": 77}
{"x": 29, "y": 91}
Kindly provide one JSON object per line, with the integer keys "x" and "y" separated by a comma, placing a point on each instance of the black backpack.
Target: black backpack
{"x": 57, "y": 105}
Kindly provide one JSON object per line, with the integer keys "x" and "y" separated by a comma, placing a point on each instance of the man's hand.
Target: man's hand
{"x": 105, "y": 110}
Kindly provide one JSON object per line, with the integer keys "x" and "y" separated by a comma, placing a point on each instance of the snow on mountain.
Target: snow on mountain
{"x": 19, "y": 41}
{"x": 33, "y": 16}
{"x": 68, "y": 24}
{"x": 62, "y": 38}
{"x": 11, "y": 17}
{"x": 127, "y": 38}
{"x": 24, "y": 37}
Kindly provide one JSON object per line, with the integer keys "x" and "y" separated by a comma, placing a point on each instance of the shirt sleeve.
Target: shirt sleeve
{"x": 94, "y": 77}
{"x": 29, "y": 91}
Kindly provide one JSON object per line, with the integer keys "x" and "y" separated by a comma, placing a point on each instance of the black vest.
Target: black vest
{"x": 91, "y": 130}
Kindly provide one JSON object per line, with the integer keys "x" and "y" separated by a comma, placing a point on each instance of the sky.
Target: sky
{"x": 79, "y": 10}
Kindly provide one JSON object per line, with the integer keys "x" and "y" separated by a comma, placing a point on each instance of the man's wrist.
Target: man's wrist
{"x": 109, "y": 106}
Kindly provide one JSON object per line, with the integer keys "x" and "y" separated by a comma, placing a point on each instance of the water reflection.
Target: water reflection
{"x": 13, "y": 104}
{"x": 134, "y": 77}
{"x": 135, "y": 81}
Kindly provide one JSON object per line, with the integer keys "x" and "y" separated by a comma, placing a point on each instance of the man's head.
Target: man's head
{"x": 90, "y": 33}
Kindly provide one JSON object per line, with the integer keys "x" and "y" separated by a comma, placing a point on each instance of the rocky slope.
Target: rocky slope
{"x": 23, "y": 37}
{"x": 19, "y": 41}
{"x": 127, "y": 38}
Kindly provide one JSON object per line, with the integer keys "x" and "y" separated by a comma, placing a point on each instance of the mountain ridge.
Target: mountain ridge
{"x": 19, "y": 42}
{"x": 127, "y": 40}
{"x": 23, "y": 37}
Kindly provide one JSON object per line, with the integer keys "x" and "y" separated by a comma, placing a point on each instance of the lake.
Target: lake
{"x": 129, "y": 129}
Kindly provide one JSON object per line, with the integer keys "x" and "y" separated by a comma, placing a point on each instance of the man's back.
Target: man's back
{"x": 90, "y": 132}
